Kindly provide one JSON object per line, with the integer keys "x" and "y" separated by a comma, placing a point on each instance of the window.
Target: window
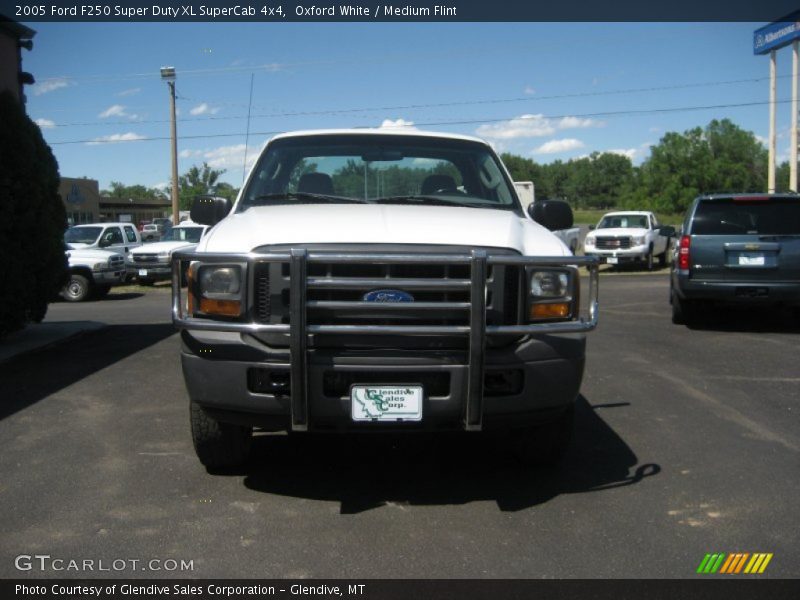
{"x": 732, "y": 216}
{"x": 130, "y": 233}
{"x": 113, "y": 235}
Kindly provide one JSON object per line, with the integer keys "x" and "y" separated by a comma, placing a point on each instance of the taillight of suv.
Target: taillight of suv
{"x": 683, "y": 253}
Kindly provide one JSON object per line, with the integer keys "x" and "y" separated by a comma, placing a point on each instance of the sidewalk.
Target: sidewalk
{"x": 40, "y": 335}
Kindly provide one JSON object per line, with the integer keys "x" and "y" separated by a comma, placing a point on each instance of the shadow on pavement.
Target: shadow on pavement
{"x": 747, "y": 320}
{"x": 365, "y": 472}
{"x": 33, "y": 376}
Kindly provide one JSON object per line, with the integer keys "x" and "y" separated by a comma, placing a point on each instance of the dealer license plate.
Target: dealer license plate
{"x": 142, "y": 272}
{"x": 386, "y": 402}
{"x": 612, "y": 260}
{"x": 756, "y": 260}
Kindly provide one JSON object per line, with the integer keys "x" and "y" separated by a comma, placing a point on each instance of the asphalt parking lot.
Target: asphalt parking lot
{"x": 687, "y": 442}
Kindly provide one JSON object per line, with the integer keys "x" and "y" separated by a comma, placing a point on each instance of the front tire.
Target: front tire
{"x": 649, "y": 260}
{"x": 545, "y": 444}
{"x": 78, "y": 288}
{"x": 219, "y": 445}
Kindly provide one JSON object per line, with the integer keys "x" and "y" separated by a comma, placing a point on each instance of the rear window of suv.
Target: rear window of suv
{"x": 744, "y": 216}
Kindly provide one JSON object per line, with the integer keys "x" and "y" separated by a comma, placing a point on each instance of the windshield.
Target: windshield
{"x": 623, "y": 222}
{"x": 185, "y": 234}
{"x": 82, "y": 235}
{"x": 383, "y": 169}
{"x": 732, "y": 216}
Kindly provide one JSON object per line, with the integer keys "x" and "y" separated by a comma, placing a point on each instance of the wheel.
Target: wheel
{"x": 649, "y": 259}
{"x": 684, "y": 312}
{"x": 544, "y": 444}
{"x": 101, "y": 291}
{"x": 218, "y": 445}
{"x": 662, "y": 258}
{"x": 78, "y": 288}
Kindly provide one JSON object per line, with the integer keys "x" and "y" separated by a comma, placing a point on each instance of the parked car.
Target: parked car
{"x": 92, "y": 273}
{"x": 151, "y": 232}
{"x": 152, "y": 262}
{"x": 630, "y": 236}
{"x": 737, "y": 249}
{"x": 322, "y": 302}
{"x": 115, "y": 237}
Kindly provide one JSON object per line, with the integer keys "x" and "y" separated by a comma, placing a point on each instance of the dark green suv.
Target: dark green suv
{"x": 737, "y": 249}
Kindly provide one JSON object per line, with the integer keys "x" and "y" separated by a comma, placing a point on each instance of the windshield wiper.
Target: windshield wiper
{"x": 435, "y": 200}
{"x": 308, "y": 196}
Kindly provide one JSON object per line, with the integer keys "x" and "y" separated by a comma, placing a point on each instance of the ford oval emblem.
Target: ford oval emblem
{"x": 388, "y": 296}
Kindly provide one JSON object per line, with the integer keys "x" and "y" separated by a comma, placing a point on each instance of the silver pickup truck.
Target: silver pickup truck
{"x": 368, "y": 280}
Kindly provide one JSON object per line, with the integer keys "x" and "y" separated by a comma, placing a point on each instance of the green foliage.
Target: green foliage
{"x": 120, "y": 190}
{"x": 32, "y": 220}
{"x": 198, "y": 181}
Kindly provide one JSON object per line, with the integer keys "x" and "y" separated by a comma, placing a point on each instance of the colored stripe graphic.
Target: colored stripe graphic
{"x": 765, "y": 563}
{"x": 740, "y": 564}
{"x": 703, "y": 563}
{"x": 716, "y": 564}
{"x": 734, "y": 563}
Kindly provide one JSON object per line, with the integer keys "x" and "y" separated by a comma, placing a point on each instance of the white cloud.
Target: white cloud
{"x": 190, "y": 153}
{"x": 116, "y": 110}
{"x": 578, "y": 123}
{"x": 396, "y": 123}
{"x": 230, "y": 157}
{"x": 162, "y": 185}
{"x": 629, "y": 152}
{"x": 130, "y": 92}
{"x": 116, "y": 137}
{"x": 45, "y": 123}
{"x": 764, "y": 140}
{"x": 558, "y": 146}
{"x": 521, "y": 127}
{"x": 529, "y": 90}
{"x": 203, "y": 109}
{"x": 51, "y": 85}
{"x": 655, "y": 130}
{"x": 527, "y": 126}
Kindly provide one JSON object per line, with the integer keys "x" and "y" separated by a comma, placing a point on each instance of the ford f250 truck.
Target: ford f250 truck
{"x": 378, "y": 281}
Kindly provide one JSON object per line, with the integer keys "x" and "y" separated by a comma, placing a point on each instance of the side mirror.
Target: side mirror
{"x": 591, "y": 227}
{"x": 552, "y": 214}
{"x": 210, "y": 210}
{"x": 667, "y": 231}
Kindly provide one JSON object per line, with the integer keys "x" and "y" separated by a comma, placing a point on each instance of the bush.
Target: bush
{"x": 32, "y": 220}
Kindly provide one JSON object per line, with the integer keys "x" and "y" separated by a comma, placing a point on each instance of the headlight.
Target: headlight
{"x": 99, "y": 266}
{"x": 552, "y": 294}
{"x": 637, "y": 240}
{"x": 218, "y": 290}
{"x": 589, "y": 241}
{"x": 163, "y": 255}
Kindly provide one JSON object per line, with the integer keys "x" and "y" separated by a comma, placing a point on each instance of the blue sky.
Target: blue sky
{"x": 100, "y": 82}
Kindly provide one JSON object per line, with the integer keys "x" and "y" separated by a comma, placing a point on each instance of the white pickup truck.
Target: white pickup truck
{"x": 92, "y": 273}
{"x": 629, "y": 236}
{"x": 152, "y": 262}
{"x": 381, "y": 281}
{"x": 526, "y": 191}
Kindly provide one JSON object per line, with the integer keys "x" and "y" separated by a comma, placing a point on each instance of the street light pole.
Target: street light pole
{"x": 168, "y": 75}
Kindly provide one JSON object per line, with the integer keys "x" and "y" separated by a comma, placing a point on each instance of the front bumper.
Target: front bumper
{"x": 154, "y": 271}
{"x": 551, "y": 366}
{"x": 109, "y": 277}
{"x": 635, "y": 254}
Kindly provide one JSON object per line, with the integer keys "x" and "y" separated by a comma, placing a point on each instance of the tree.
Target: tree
{"x": 197, "y": 181}
{"x": 120, "y": 190}
{"x": 32, "y": 220}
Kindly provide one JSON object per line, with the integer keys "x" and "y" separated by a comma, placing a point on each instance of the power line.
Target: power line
{"x": 631, "y": 112}
{"x": 323, "y": 112}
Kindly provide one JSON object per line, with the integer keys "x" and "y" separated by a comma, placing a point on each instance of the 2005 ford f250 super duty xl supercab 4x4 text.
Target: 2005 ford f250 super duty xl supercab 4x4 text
{"x": 367, "y": 280}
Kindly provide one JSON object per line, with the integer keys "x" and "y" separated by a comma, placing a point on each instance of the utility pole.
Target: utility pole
{"x": 772, "y": 133}
{"x": 793, "y": 151}
{"x": 168, "y": 75}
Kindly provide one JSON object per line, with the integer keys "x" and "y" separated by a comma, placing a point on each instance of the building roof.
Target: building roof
{"x": 14, "y": 29}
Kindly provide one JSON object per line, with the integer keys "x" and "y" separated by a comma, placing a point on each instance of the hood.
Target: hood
{"x": 91, "y": 254}
{"x": 77, "y": 245}
{"x": 380, "y": 224}
{"x": 619, "y": 231}
{"x": 157, "y": 247}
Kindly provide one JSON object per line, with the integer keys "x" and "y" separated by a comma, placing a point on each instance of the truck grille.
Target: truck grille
{"x": 613, "y": 243}
{"x": 435, "y": 294}
{"x": 116, "y": 262}
{"x": 146, "y": 258}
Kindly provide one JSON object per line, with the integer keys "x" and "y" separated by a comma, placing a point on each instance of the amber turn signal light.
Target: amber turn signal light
{"x": 223, "y": 308}
{"x": 550, "y": 310}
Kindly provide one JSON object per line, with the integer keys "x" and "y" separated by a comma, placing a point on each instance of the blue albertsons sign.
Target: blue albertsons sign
{"x": 777, "y": 34}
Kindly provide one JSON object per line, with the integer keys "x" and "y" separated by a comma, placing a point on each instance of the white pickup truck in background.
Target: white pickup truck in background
{"x": 628, "y": 236}
{"x": 527, "y": 196}
{"x": 92, "y": 273}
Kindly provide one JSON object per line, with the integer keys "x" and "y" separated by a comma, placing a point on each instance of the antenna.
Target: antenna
{"x": 247, "y": 135}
